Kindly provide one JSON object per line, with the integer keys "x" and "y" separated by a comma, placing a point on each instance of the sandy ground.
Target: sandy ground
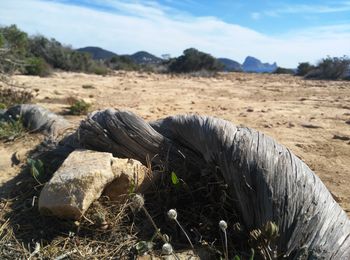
{"x": 303, "y": 115}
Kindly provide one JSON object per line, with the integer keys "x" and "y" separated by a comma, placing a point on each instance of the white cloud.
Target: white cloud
{"x": 334, "y": 7}
{"x": 255, "y": 15}
{"x": 133, "y": 26}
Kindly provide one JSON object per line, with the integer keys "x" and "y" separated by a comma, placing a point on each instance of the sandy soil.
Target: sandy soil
{"x": 303, "y": 115}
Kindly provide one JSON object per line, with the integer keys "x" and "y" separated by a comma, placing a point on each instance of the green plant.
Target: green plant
{"x": 281, "y": 70}
{"x": 99, "y": 70}
{"x": 193, "y": 60}
{"x": 331, "y": 68}
{"x": 174, "y": 179}
{"x": 304, "y": 68}
{"x": 79, "y": 107}
{"x": 37, "y": 66}
{"x": 11, "y": 130}
{"x": 37, "y": 170}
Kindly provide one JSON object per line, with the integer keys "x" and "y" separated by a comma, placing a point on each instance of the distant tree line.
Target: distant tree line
{"x": 37, "y": 55}
{"x": 332, "y": 68}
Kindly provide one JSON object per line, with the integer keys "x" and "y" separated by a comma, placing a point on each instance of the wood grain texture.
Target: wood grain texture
{"x": 267, "y": 181}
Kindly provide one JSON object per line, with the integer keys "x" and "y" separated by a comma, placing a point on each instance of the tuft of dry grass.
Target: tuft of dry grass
{"x": 104, "y": 232}
{"x": 10, "y": 96}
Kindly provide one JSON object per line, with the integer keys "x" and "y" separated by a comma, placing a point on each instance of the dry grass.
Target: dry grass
{"x": 105, "y": 232}
{"x": 111, "y": 230}
{"x": 10, "y": 95}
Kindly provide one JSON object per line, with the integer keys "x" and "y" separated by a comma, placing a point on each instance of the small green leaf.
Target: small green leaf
{"x": 174, "y": 178}
{"x": 253, "y": 254}
{"x": 236, "y": 257}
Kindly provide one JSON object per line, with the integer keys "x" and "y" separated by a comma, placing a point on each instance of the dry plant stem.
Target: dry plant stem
{"x": 189, "y": 240}
{"x": 226, "y": 247}
{"x": 154, "y": 224}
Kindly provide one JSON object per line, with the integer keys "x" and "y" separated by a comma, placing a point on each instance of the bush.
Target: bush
{"x": 10, "y": 96}
{"x": 122, "y": 63}
{"x": 37, "y": 66}
{"x": 99, "y": 70}
{"x": 304, "y": 68}
{"x": 331, "y": 68}
{"x": 11, "y": 130}
{"x": 14, "y": 39}
{"x": 63, "y": 57}
{"x": 78, "y": 107}
{"x": 193, "y": 60}
{"x": 281, "y": 70}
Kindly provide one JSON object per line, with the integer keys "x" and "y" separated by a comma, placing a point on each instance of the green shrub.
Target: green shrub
{"x": 11, "y": 130}
{"x": 281, "y": 70}
{"x": 193, "y": 60}
{"x": 14, "y": 40}
{"x": 37, "y": 66}
{"x": 99, "y": 70}
{"x": 78, "y": 107}
{"x": 331, "y": 68}
{"x": 122, "y": 63}
{"x": 304, "y": 68}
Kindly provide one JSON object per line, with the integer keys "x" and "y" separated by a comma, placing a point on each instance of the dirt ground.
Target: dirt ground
{"x": 312, "y": 118}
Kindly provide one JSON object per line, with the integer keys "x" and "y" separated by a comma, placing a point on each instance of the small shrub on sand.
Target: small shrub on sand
{"x": 78, "y": 107}
{"x": 11, "y": 130}
{"x": 37, "y": 66}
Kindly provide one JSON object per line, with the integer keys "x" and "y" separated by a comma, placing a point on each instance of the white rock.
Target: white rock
{"x": 76, "y": 184}
{"x": 131, "y": 176}
{"x": 82, "y": 178}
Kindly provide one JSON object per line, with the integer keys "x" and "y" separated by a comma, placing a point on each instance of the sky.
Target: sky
{"x": 288, "y": 31}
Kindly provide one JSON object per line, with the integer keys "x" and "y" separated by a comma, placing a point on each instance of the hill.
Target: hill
{"x": 140, "y": 57}
{"x": 143, "y": 57}
{"x": 252, "y": 64}
{"x": 230, "y": 65}
{"x": 97, "y": 53}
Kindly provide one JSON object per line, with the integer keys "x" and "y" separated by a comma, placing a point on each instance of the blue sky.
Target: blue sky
{"x": 287, "y": 31}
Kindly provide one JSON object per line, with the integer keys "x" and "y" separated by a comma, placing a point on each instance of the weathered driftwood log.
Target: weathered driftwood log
{"x": 267, "y": 181}
{"x": 37, "y": 118}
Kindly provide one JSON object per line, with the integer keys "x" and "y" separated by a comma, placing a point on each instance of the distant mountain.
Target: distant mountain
{"x": 252, "y": 64}
{"x": 230, "y": 65}
{"x": 97, "y": 53}
{"x": 143, "y": 57}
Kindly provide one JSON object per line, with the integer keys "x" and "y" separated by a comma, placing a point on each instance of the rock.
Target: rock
{"x": 84, "y": 176}
{"x": 311, "y": 126}
{"x": 76, "y": 184}
{"x": 341, "y": 137}
{"x": 132, "y": 177}
{"x": 347, "y": 122}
